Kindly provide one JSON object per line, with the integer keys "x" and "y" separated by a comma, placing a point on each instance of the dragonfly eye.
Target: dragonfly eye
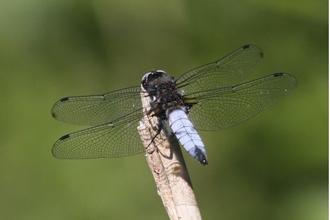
{"x": 145, "y": 79}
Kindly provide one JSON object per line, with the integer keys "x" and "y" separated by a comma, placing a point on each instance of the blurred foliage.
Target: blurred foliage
{"x": 274, "y": 166}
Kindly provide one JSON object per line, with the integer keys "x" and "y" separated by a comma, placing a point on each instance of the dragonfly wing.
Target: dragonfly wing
{"x": 227, "y": 71}
{"x": 115, "y": 139}
{"x": 97, "y": 109}
{"x": 224, "y": 107}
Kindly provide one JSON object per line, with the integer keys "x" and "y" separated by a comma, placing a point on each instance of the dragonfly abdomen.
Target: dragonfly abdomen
{"x": 187, "y": 135}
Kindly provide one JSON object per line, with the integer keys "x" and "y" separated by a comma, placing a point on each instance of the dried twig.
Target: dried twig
{"x": 168, "y": 168}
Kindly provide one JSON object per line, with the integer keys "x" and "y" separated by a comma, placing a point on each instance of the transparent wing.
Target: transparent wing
{"x": 117, "y": 139}
{"x": 97, "y": 109}
{"x": 227, "y": 71}
{"x": 224, "y": 107}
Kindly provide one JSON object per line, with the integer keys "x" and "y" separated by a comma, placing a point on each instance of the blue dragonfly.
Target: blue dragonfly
{"x": 209, "y": 97}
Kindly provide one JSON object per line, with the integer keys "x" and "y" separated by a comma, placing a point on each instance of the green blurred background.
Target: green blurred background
{"x": 274, "y": 166}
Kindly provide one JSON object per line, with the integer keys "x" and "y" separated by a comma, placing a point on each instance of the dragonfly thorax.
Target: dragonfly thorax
{"x": 164, "y": 93}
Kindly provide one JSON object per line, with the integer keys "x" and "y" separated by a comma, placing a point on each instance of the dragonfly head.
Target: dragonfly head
{"x": 151, "y": 79}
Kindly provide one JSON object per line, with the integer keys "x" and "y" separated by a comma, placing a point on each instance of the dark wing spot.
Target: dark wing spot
{"x": 64, "y": 99}
{"x": 64, "y": 137}
{"x": 246, "y": 46}
{"x": 54, "y": 115}
{"x": 278, "y": 74}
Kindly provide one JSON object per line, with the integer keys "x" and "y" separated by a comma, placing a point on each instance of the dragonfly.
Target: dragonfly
{"x": 210, "y": 97}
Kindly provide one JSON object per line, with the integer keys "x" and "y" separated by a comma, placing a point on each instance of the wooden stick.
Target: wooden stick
{"x": 164, "y": 157}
